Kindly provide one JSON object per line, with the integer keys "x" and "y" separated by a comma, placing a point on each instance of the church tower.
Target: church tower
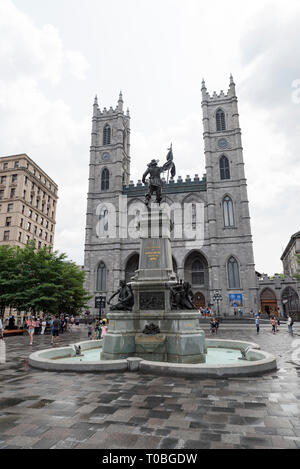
{"x": 232, "y": 269}
{"x": 109, "y": 172}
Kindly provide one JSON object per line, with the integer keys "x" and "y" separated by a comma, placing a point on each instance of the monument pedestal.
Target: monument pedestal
{"x": 180, "y": 339}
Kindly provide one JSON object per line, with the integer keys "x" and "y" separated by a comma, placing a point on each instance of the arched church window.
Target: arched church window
{"x": 101, "y": 277}
{"x": 105, "y": 180}
{"x": 233, "y": 273}
{"x": 106, "y": 135}
{"x": 103, "y": 221}
{"x": 198, "y": 272}
{"x": 220, "y": 120}
{"x": 194, "y": 217}
{"x": 224, "y": 168}
{"x": 228, "y": 212}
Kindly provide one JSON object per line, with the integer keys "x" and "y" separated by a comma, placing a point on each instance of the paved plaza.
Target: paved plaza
{"x": 40, "y": 409}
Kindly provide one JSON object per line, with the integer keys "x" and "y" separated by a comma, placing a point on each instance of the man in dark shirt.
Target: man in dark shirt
{"x": 55, "y": 333}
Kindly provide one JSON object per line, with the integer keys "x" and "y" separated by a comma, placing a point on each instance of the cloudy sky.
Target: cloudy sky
{"x": 56, "y": 55}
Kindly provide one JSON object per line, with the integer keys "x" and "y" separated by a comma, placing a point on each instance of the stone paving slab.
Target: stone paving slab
{"x": 40, "y": 409}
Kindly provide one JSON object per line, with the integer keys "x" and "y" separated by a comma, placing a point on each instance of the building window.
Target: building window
{"x": 39, "y": 245}
{"x": 101, "y": 277}
{"x": 26, "y": 180}
{"x": 17, "y": 164}
{"x": 8, "y": 221}
{"x": 233, "y": 273}
{"x": 41, "y": 233}
{"x": 46, "y": 236}
{"x": 21, "y": 223}
{"x": 224, "y": 168}
{"x": 105, "y": 180}
{"x": 14, "y": 178}
{"x": 6, "y": 236}
{"x": 20, "y": 236}
{"x": 30, "y": 213}
{"x": 24, "y": 195}
{"x": 35, "y": 230}
{"x": 106, "y": 135}
{"x": 220, "y": 120}
{"x": 12, "y": 193}
{"x": 28, "y": 226}
{"x": 3, "y": 179}
{"x": 42, "y": 221}
{"x": 10, "y": 207}
{"x": 198, "y": 272}
{"x": 228, "y": 212}
{"x": 23, "y": 209}
{"x": 1, "y": 195}
{"x": 5, "y": 165}
{"x": 194, "y": 216}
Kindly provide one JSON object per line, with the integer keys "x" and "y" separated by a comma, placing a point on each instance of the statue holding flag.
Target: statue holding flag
{"x": 155, "y": 182}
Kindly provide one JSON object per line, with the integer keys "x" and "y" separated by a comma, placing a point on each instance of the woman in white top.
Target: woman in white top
{"x": 44, "y": 324}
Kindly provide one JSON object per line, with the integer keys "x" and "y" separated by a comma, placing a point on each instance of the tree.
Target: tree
{"x": 40, "y": 281}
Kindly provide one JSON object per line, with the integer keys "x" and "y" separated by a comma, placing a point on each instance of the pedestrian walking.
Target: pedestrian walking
{"x": 257, "y": 324}
{"x": 31, "y": 327}
{"x": 290, "y": 323}
{"x": 55, "y": 330}
{"x": 44, "y": 324}
{"x": 273, "y": 323}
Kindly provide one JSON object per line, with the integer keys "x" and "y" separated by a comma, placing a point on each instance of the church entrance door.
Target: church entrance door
{"x": 199, "y": 300}
{"x": 269, "y": 303}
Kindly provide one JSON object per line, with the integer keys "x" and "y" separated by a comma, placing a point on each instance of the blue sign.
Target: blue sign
{"x": 236, "y": 299}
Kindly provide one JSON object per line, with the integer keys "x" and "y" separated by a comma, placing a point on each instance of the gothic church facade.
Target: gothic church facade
{"x": 225, "y": 261}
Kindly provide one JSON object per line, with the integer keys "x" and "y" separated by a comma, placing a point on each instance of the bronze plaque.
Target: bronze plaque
{"x": 152, "y": 300}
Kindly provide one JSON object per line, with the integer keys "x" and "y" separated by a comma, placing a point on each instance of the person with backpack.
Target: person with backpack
{"x": 55, "y": 331}
{"x": 290, "y": 324}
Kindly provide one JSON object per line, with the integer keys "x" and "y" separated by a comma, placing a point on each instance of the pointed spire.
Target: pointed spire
{"x": 204, "y": 90}
{"x": 95, "y": 106}
{"x": 232, "y": 86}
{"x": 127, "y": 113}
{"x": 120, "y": 102}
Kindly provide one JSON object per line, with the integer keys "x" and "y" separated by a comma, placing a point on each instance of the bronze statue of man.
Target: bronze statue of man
{"x": 155, "y": 182}
{"x": 125, "y": 298}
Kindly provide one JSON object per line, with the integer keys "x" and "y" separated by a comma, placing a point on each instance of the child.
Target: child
{"x": 257, "y": 324}
{"x": 103, "y": 328}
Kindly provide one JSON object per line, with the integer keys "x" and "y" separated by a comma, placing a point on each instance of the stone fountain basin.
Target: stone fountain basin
{"x": 257, "y": 361}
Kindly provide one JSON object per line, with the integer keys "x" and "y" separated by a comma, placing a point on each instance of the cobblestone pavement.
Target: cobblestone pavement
{"x": 40, "y": 409}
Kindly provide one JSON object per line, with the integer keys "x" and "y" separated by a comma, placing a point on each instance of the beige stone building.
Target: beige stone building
{"x": 28, "y": 199}
{"x": 289, "y": 256}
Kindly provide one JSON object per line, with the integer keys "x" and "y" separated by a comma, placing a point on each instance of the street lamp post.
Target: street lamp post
{"x": 217, "y": 298}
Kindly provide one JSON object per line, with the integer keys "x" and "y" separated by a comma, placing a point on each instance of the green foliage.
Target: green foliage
{"x": 40, "y": 281}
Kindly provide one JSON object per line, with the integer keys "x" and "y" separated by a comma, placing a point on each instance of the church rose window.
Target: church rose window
{"x": 105, "y": 180}
{"x": 233, "y": 273}
{"x": 220, "y": 120}
{"x": 106, "y": 135}
{"x": 228, "y": 212}
{"x": 101, "y": 277}
{"x": 224, "y": 168}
